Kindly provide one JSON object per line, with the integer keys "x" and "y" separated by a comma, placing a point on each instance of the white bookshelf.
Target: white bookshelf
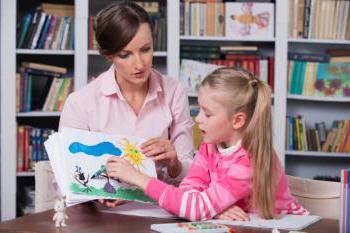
{"x": 45, "y": 51}
{"x": 317, "y": 154}
{"x": 228, "y": 39}
{"x": 25, "y": 174}
{"x": 319, "y": 98}
{"x": 155, "y": 53}
{"x": 318, "y": 41}
{"x": 317, "y": 109}
{"x": 38, "y": 114}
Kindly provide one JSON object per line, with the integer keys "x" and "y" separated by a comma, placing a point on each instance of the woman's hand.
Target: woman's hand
{"x": 162, "y": 151}
{"x": 121, "y": 169}
{"x": 233, "y": 213}
{"x": 111, "y": 203}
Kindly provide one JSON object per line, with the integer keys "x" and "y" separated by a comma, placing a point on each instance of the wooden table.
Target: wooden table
{"x": 85, "y": 218}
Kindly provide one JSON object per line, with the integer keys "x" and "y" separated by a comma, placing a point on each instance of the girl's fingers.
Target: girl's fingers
{"x": 238, "y": 215}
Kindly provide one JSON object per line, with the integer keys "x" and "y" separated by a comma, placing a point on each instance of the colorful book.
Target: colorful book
{"x": 333, "y": 79}
{"x": 193, "y": 72}
{"x": 78, "y": 159}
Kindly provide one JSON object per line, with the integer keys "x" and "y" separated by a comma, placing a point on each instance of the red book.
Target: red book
{"x": 271, "y": 73}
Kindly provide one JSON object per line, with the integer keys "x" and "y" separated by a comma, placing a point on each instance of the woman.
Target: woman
{"x": 131, "y": 98}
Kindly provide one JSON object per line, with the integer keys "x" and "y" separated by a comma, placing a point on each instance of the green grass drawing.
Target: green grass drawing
{"x": 121, "y": 193}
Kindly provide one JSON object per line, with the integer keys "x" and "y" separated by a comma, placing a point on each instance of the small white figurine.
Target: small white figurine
{"x": 274, "y": 230}
{"x": 60, "y": 215}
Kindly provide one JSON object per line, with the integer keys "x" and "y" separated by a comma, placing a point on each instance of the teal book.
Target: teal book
{"x": 333, "y": 79}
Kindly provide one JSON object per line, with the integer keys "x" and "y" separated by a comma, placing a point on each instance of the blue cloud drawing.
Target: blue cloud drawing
{"x": 95, "y": 150}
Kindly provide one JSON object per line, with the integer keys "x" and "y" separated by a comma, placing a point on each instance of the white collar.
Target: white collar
{"x": 229, "y": 150}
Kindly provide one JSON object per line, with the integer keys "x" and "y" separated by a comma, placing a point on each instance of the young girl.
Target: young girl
{"x": 235, "y": 164}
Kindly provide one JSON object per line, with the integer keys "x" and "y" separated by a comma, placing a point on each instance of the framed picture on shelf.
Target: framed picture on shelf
{"x": 249, "y": 20}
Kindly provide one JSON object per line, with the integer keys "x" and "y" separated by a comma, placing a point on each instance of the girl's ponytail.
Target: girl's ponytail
{"x": 257, "y": 140}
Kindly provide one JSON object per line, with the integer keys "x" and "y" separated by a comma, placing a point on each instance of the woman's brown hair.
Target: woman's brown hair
{"x": 116, "y": 25}
{"x": 242, "y": 92}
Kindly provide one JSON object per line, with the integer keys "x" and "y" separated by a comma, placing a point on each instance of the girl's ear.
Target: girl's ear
{"x": 238, "y": 120}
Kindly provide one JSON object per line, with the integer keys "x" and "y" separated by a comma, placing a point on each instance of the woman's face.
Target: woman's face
{"x": 134, "y": 62}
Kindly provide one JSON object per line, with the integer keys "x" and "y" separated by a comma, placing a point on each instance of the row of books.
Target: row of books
{"x": 299, "y": 137}
{"x": 30, "y": 146}
{"x": 326, "y": 19}
{"x": 41, "y": 87}
{"x": 50, "y": 26}
{"x": 230, "y": 19}
{"x": 318, "y": 79}
{"x": 158, "y": 25}
{"x": 192, "y": 72}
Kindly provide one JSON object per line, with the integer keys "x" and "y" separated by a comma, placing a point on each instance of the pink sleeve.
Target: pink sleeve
{"x": 74, "y": 114}
{"x": 181, "y": 130}
{"x": 285, "y": 202}
{"x": 198, "y": 175}
{"x": 196, "y": 198}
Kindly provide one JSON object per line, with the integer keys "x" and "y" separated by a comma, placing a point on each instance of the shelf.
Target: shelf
{"x": 196, "y": 96}
{"x": 38, "y": 114}
{"x": 220, "y": 38}
{"x": 25, "y": 174}
{"x": 319, "y": 98}
{"x": 319, "y": 41}
{"x": 155, "y": 53}
{"x": 317, "y": 154}
{"x": 45, "y": 51}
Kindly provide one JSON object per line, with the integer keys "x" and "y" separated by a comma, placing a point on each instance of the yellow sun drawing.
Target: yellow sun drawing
{"x": 132, "y": 154}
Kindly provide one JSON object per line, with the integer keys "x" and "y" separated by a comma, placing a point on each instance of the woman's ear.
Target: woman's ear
{"x": 238, "y": 120}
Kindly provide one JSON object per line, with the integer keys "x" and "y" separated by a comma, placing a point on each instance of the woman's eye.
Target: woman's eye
{"x": 123, "y": 56}
{"x": 146, "y": 49}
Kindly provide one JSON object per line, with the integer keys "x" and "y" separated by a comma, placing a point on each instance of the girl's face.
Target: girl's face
{"x": 134, "y": 62}
{"x": 214, "y": 122}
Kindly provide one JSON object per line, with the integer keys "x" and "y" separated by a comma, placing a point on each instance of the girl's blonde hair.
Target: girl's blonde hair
{"x": 242, "y": 92}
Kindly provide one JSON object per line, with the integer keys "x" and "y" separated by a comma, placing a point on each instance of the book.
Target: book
{"x": 332, "y": 79}
{"x": 39, "y": 66}
{"x": 193, "y": 72}
{"x": 78, "y": 159}
{"x": 249, "y": 20}
{"x": 344, "y": 202}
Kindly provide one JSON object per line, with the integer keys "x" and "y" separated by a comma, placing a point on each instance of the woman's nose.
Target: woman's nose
{"x": 138, "y": 62}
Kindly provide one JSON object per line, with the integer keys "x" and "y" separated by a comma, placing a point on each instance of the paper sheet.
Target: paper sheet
{"x": 138, "y": 209}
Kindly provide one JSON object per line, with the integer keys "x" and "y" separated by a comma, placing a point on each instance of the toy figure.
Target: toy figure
{"x": 60, "y": 215}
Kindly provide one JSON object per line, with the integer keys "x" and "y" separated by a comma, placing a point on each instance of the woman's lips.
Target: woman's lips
{"x": 138, "y": 74}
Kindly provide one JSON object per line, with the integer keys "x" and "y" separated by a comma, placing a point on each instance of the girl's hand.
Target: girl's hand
{"x": 111, "y": 203}
{"x": 161, "y": 150}
{"x": 233, "y": 213}
{"x": 121, "y": 169}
